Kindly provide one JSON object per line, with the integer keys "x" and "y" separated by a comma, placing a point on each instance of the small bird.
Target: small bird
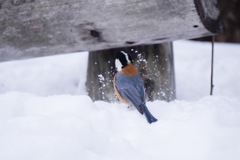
{"x": 128, "y": 85}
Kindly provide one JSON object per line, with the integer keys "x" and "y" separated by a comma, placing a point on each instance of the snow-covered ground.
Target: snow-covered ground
{"x": 45, "y": 113}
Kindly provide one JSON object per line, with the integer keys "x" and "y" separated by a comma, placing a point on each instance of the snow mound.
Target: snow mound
{"x": 65, "y": 127}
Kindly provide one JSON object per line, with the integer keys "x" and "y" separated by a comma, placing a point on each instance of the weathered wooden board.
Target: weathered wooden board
{"x": 33, "y": 28}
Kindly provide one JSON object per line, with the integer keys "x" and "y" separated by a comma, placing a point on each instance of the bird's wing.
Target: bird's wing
{"x": 131, "y": 88}
{"x": 134, "y": 95}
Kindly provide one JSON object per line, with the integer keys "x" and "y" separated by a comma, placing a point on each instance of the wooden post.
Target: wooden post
{"x": 100, "y": 72}
{"x": 34, "y": 28}
{"x": 155, "y": 65}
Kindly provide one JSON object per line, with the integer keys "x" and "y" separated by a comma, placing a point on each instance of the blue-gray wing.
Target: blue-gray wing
{"x": 132, "y": 89}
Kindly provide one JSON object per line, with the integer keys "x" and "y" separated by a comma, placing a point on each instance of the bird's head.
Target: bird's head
{"x": 122, "y": 60}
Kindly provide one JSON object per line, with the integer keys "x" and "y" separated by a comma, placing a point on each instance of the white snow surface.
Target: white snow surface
{"x": 45, "y": 113}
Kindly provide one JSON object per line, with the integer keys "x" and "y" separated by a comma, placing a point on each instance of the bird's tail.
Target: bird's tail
{"x": 148, "y": 115}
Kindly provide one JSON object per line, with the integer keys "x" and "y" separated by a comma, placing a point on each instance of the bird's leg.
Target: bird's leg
{"x": 131, "y": 107}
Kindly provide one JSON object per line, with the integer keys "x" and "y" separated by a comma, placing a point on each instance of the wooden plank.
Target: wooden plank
{"x": 33, "y": 28}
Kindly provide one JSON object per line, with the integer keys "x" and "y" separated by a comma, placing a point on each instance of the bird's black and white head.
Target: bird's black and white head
{"x": 122, "y": 60}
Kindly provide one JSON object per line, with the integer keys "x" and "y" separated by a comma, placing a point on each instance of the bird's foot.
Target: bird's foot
{"x": 131, "y": 108}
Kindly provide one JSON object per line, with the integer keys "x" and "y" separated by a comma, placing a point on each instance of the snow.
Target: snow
{"x": 52, "y": 75}
{"x": 46, "y": 114}
{"x": 193, "y": 69}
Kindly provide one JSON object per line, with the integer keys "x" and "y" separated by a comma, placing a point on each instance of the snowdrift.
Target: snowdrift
{"x": 46, "y": 114}
{"x": 73, "y": 127}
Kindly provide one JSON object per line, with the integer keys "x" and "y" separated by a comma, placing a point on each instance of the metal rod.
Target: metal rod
{"x": 212, "y": 65}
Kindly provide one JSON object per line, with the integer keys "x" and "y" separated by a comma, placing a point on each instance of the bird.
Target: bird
{"x": 128, "y": 85}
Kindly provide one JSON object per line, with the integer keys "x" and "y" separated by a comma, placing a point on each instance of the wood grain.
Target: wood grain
{"x": 34, "y": 28}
